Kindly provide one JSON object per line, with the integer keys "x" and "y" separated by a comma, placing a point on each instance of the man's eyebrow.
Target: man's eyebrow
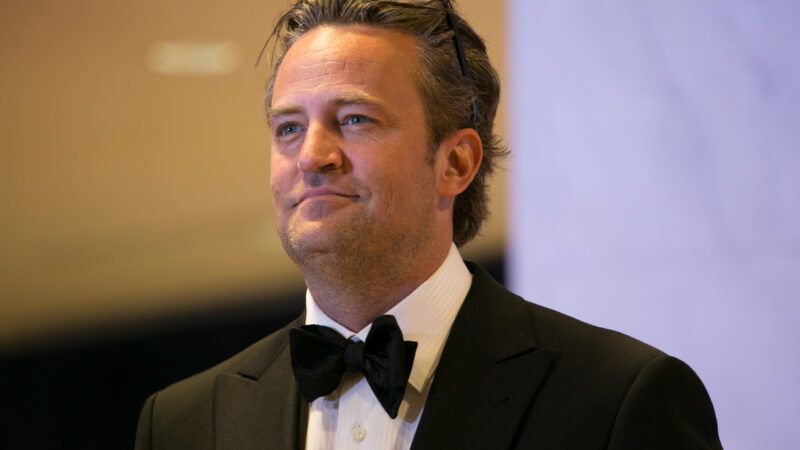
{"x": 342, "y": 100}
{"x": 283, "y": 111}
{"x": 358, "y": 99}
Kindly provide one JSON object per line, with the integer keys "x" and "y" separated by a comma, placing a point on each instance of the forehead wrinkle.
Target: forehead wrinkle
{"x": 314, "y": 59}
{"x": 330, "y": 75}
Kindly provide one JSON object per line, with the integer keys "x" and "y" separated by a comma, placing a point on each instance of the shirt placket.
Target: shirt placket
{"x": 357, "y": 427}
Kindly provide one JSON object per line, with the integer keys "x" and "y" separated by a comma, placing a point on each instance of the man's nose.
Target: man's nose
{"x": 321, "y": 150}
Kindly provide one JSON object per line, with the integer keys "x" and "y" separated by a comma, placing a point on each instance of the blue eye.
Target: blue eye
{"x": 355, "y": 120}
{"x": 287, "y": 129}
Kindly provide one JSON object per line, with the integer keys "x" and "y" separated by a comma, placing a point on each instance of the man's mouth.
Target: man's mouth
{"x": 320, "y": 193}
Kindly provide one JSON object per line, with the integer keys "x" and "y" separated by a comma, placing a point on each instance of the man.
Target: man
{"x": 381, "y": 116}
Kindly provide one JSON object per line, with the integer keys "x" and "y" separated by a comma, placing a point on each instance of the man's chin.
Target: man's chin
{"x": 308, "y": 242}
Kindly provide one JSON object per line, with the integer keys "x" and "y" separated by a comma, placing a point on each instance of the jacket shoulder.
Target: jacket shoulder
{"x": 613, "y": 389}
{"x": 182, "y": 413}
{"x": 551, "y": 329}
{"x": 593, "y": 343}
{"x": 625, "y": 392}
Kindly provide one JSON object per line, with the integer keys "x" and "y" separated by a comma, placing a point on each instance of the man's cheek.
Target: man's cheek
{"x": 279, "y": 185}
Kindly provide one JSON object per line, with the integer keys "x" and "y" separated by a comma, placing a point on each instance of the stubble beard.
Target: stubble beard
{"x": 358, "y": 260}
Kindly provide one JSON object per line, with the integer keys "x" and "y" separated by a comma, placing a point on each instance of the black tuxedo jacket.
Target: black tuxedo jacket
{"x": 513, "y": 375}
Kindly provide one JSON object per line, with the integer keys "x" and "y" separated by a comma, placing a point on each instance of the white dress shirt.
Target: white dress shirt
{"x": 351, "y": 417}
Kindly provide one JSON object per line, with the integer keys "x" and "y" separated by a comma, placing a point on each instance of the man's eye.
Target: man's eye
{"x": 355, "y": 120}
{"x": 289, "y": 128}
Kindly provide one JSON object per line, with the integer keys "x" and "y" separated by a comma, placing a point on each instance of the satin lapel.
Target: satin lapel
{"x": 260, "y": 407}
{"x": 488, "y": 374}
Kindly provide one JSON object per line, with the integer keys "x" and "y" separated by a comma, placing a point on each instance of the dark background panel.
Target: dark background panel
{"x": 85, "y": 393}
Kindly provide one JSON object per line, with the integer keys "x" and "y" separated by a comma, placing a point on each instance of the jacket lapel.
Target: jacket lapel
{"x": 488, "y": 374}
{"x": 259, "y": 407}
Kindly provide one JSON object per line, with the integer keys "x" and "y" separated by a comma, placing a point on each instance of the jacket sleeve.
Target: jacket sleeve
{"x": 666, "y": 407}
{"x": 144, "y": 432}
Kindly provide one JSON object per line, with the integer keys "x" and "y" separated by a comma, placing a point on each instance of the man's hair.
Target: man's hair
{"x": 447, "y": 94}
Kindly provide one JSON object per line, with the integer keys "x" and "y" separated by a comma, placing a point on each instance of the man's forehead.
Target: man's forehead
{"x": 364, "y": 58}
{"x": 333, "y": 81}
{"x": 319, "y": 65}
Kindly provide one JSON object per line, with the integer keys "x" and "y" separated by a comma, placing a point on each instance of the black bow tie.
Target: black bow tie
{"x": 320, "y": 356}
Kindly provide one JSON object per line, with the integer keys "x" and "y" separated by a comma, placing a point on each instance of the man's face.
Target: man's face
{"x": 349, "y": 166}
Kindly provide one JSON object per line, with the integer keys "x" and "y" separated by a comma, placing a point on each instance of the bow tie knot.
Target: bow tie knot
{"x": 320, "y": 356}
{"x": 354, "y": 356}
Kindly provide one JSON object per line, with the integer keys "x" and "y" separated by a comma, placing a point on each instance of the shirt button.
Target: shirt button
{"x": 358, "y": 432}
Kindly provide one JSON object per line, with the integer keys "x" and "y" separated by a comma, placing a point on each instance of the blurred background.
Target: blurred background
{"x": 653, "y": 190}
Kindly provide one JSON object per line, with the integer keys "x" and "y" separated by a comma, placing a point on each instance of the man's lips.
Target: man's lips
{"x": 320, "y": 192}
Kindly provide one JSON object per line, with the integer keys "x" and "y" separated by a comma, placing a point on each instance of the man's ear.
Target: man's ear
{"x": 458, "y": 159}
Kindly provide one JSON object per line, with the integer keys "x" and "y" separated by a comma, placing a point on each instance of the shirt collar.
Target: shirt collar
{"x": 425, "y": 315}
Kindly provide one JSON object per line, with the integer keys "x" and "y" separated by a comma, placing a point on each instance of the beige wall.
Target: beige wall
{"x": 126, "y": 193}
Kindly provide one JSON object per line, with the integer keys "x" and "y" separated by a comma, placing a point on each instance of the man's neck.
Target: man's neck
{"x": 357, "y": 296}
